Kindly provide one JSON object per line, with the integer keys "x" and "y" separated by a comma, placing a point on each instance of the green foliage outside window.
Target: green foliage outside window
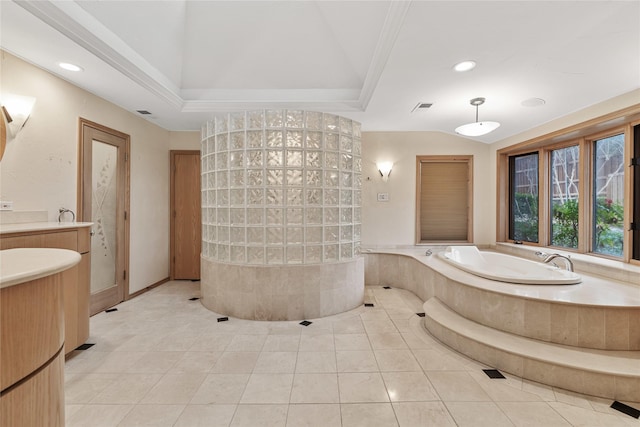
{"x": 525, "y": 217}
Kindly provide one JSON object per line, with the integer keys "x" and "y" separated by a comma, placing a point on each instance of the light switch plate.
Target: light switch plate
{"x": 6, "y": 206}
{"x": 383, "y": 197}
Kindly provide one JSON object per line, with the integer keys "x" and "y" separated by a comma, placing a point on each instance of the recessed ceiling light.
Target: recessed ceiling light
{"x": 465, "y": 66}
{"x": 533, "y": 102}
{"x": 70, "y": 67}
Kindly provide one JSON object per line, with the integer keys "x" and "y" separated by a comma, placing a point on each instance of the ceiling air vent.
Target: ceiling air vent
{"x": 422, "y": 106}
{"x": 144, "y": 112}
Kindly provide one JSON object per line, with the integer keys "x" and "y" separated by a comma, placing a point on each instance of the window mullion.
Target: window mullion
{"x": 585, "y": 200}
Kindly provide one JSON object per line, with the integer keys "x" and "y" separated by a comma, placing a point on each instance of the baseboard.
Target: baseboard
{"x": 148, "y": 288}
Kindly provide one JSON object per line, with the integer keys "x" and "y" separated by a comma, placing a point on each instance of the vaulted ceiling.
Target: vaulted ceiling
{"x": 372, "y": 61}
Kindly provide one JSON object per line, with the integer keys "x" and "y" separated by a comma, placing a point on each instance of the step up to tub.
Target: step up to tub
{"x": 609, "y": 374}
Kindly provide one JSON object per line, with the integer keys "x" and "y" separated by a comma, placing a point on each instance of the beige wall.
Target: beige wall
{"x": 184, "y": 140}
{"x": 39, "y": 168}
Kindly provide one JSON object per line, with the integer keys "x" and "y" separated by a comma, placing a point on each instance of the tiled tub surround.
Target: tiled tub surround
{"x": 281, "y": 197}
{"x": 537, "y": 332}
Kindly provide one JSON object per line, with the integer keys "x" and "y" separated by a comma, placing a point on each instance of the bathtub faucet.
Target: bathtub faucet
{"x": 566, "y": 258}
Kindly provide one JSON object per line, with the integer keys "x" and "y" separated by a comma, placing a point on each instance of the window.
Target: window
{"x": 443, "y": 199}
{"x": 564, "y": 197}
{"x": 523, "y": 200}
{"x": 635, "y": 222}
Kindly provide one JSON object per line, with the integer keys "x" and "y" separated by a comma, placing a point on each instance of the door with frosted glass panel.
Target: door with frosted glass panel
{"x": 104, "y": 203}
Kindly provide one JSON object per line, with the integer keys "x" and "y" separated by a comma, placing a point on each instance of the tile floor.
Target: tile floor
{"x": 162, "y": 360}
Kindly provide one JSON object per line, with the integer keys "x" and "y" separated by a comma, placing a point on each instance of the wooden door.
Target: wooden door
{"x": 104, "y": 200}
{"x": 186, "y": 223}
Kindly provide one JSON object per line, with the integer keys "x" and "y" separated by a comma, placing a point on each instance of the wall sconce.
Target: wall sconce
{"x": 16, "y": 110}
{"x": 385, "y": 169}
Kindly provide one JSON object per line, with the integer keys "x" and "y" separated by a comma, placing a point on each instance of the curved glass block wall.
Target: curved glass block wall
{"x": 281, "y": 201}
{"x": 281, "y": 187}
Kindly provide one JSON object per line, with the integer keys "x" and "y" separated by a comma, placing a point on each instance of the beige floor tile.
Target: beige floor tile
{"x": 211, "y": 342}
{"x": 260, "y": 416}
{"x": 415, "y": 342}
{"x": 352, "y": 325}
{"x": 152, "y": 415}
{"x": 236, "y": 362}
{"x": 282, "y": 343}
{"x": 156, "y": 362}
{"x": 347, "y": 342}
{"x": 315, "y": 388}
{"x": 174, "y": 389}
{"x": 316, "y": 362}
{"x": 504, "y": 390}
{"x": 356, "y": 361}
{"x": 434, "y": 360}
{"x": 220, "y": 388}
{"x": 409, "y": 387}
{"x": 387, "y": 341}
{"x": 206, "y": 416}
{"x": 478, "y": 414}
{"x": 380, "y": 326}
{"x": 319, "y": 342}
{"x": 362, "y": 388}
{"x": 70, "y": 411}
{"x": 545, "y": 392}
{"x": 118, "y": 362}
{"x": 578, "y": 416}
{"x": 196, "y": 361}
{"x": 532, "y": 414}
{"x": 98, "y": 415}
{"x": 273, "y": 362}
{"x": 397, "y": 360}
{"x": 82, "y": 388}
{"x": 368, "y": 415}
{"x": 268, "y": 388}
{"x": 423, "y": 414}
{"x": 128, "y": 389}
{"x": 318, "y": 415}
{"x": 456, "y": 386}
{"x": 247, "y": 343}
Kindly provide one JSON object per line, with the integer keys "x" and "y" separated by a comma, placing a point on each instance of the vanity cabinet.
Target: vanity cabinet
{"x": 76, "y": 280}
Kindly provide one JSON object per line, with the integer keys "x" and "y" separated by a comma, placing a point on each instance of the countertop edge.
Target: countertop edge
{"x": 40, "y": 226}
{"x": 26, "y": 264}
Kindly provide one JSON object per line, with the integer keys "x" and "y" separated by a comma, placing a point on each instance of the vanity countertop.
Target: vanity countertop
{"x": 26, "y": 264}
{"x": 40, "y": 226}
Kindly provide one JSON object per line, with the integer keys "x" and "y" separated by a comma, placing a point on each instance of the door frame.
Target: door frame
{"x": 172, "y": 216}
{"x": 85, "y": 127}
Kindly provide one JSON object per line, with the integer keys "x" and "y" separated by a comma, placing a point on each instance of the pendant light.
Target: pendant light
{"x": 477, "y": 128}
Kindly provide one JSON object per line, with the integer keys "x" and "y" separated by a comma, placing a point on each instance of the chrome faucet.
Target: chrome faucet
{"x": 566, "y": 258}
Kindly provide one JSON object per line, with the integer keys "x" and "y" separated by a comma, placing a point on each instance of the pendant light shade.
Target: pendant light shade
{"x": 477, "y": 128}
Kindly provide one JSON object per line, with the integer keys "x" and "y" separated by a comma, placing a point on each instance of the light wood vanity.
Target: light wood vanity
{"x": 32, "y": 335}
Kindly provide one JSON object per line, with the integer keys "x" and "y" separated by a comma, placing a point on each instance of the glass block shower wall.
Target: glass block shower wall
{"x": 281, "y": 187}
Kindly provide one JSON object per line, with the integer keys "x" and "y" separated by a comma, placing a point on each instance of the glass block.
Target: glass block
{"x": 236, "y": 235}
{"x": 331, "y": 160}
{"x": 237, "y": 141}
{"x": 313, "y": 120}
{"x": 357, "y": 229}
{"x": 357, "y": 215}
{"x": 255, "y": 158}
{"x": 313, "y": 140}
{"x": 357, "y": 180}
{"x": 274, "y": 138}
{"x": 313, "y": 235}
{"x": 238, "y": 254}
{"x": 357, "y": 164}
{"x": 274, "y": 158}
{"x": 346, "y": 197}
{"x": 222, "y": 161}
{"x": 294, "y": 177}
{"x": 331, "y": 122}
{"x": 294, "y": 138}
{"x": 255, "y": 255}
{"x": 295, "y": 216}
{"x": 275, "y": 255}
{"x": 205, "y": 250}
{"x": 331, "y": 141}
{"x": 211, "y": 145}
{"x": 236, "y": 197}
{"x": 256, "y": 119}
{"x": 222, "y": 123}
{"x": 211, "y": 180}
{"x": 223, "y": 253}
{"x": 294, "y": 197}
{"x": 346, "y": 179}
{"x": 314, "y": 196}
{"x": 255, "y": 235}
{"x": 255, "y": 139}
{"x": 294, "y": 119}
{"x": 255, "y": 177}
{"x": 294, "y": 158}
{"x": 237, "y": 178}
{"x": 222, "y": 179}
{"x": 275, "y": 177}
{"x": 294, "y": 254}
{"x": 331, "y": 216}
{"x": 295, "y": 235}
{"x": 236, "y": 159}
{"x": 356, "y": 129}
{"x": 331, "y": 234}
{"x": 275, "y": 235}
{"x": 237, "y": 121}
{"x": 346, "y": 233}
{"x": 313, "y": 215}
{"x": 331, "y": 197}
{"x": 357, "y": 250}
{"x": 346, "y": 143}
{"x": 213, "y": 250}
{"x": 222, "y": 143}
{"x": 346, "y": 215}
{"x": 346, "y": 251}
{"x": 275, "y": 216}
{"x": 223, "y": 215}
{"x": 255, "y": 196}
{"x": 274, "y": 118}
{"x": 255, "y": 216}
{"x": 330, "y": 253}
{"x": 236, "y": 216}
{"x": 211, "y": 216}
{"x": 346, "y": 162}
{"x": 223, "y": 234}
{"x": 313, "y": 178}
{"x": 223, "y": 198}
{"x": 357, "y": 197}
{"x": 211, "y": 127}
{"x": 345, "y": 126}
{"x": 313, "y": 159}
{"x": 275, "y": 196}
{"x": 312, "y": 254}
